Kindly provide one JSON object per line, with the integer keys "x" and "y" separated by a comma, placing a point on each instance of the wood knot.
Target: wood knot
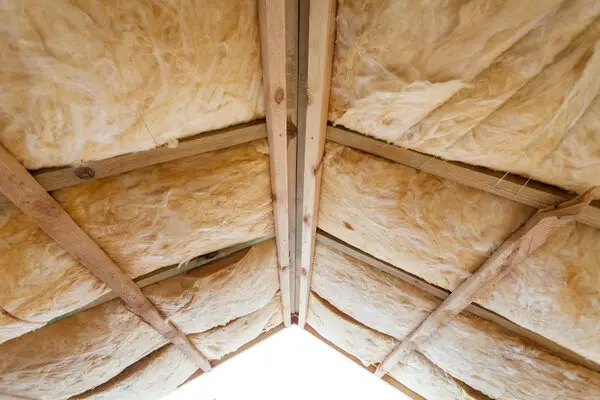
{"x": 279, "y": 95}
{"x": 348, "y": 226}
{"x": 84, "y": 173}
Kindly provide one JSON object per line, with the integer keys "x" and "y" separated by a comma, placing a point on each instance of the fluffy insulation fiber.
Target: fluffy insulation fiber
{"x": 501, "y": 84}
{"x": 89, "y": 79}
{"x": 442, "y": 232}
{"x": 476, "y": 352}
{"x": 87, "y": 349}
{"x": 214, "y": 200}
{"x": 164, "y": 370}
{"x": 371, "y": 347}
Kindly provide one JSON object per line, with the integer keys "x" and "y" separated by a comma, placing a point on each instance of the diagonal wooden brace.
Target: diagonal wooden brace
{"x": 510, "y": 253}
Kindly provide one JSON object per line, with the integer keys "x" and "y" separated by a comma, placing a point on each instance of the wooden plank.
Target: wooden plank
{"x": 303, "y": 17}
{"x": 58, "y": 178}
{"x": 509, "y": 186}
{"x": 271, "y": 18}
{"x": 320, "y": 60}
{"x": 262, "y": 337}
{"x": 509, "y": 254}
{"x": 227, "y": 255}
{"x": 388, "y": 379}
{"x": 27, "y": 194}
{"x": 558, "y": 350}
{"x": 291, "y": 51}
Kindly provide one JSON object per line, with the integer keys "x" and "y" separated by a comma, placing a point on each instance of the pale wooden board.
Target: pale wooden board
{"x": 272, "y": 17}
{"x": 560, "y": 351}
{"x": 320, "y": 60}
{"x": 509, "y": 186}
{"x": 58, "y": 178}
{"x": 170, "y": 271}
{"x": 17, "y": 184}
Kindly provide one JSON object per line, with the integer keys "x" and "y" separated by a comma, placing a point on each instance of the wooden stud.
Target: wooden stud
{"x": 27, "y": 194}
{"x": 271, "y": 18}
{"x": 510, "y": 253}
{"x": 556, "y": 349}
{"x": 320, "y": 60}
{"x": 512, "y": 187}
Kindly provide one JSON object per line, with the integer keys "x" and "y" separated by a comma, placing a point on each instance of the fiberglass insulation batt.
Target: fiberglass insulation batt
{"x": 442, "y": 232}
{"x": 161, "y": 372}
{"x": 472, "y": 350}
{"x": 87, "y": 349}
{"x": 508, "y": 85}
{"x": 89, "y": 79}
{"x": 213, "y": 200}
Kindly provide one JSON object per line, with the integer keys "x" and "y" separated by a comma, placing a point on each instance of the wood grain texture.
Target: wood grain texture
{"x": 320, "y": 60}
{"x": 271, "y": 15}
{"x": 509, "y": 186}
{"x": 510, "y": 253}
{"x": 556, "y": 349}
{"x": 27, "y": 194}
{"x": 58, "y": 178}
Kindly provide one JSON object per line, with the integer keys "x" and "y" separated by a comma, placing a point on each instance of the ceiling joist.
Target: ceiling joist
{"x": 509, "y": 254}
{"x": 26, "y": 193}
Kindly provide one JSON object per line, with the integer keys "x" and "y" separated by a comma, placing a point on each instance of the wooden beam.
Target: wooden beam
{"x": 320, "y": 60}
{"x": 510, "y": 253}
{"x": 227, "y": 255}
{"x": 388, "y": 379}
{"x": 558, "y": 350}
{"x": 27, "y": 194}
{"x": 58, "y": 178}
{"x": 509, "y": 186}
{"x": 271, "y": 18}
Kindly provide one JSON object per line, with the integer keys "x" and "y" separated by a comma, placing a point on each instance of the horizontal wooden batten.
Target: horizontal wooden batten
{"x": 558, "y": 350}
{"x": 509, "y": 186}
{"x": 57, "y": 178}
{"x": 17, "y": 184}
{"x": 227, "y": 255}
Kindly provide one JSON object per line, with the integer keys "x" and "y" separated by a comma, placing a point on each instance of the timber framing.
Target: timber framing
{"x": 57, "y": 178}
{"x": 20, "y": 187}
{"x": 509, "y": 186}
{"x": 475, "y": 309}
{"x": 320, "y": 59}
{"x": 272, "y": 18}
{"x": 509, "y": 254}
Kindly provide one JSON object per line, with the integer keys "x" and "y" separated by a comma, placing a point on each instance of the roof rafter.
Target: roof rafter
{"x": 320, "y": 60}
{"x": 18, "y": 185}
{"x": 510, "y": 253}
{"x": 271, "y": 18}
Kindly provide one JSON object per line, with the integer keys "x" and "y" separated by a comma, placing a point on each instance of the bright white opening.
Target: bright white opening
{"x": 292, "y": 364}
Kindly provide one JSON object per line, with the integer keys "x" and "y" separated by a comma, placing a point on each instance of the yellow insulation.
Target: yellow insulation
{"x": 370, "y": 347}
{"x": 104, "y": 340}
{"x": 442, "y": 232}
{"x": 476, "y": 352}
{"x": 164, "y": 370}
{"x": 213, "y": 200}
{"x": 515, "y": 107}
{"x": 90, "y": 79}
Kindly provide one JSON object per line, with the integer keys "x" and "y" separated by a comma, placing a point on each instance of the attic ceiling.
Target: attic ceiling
{"x": 412, "y": 182}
